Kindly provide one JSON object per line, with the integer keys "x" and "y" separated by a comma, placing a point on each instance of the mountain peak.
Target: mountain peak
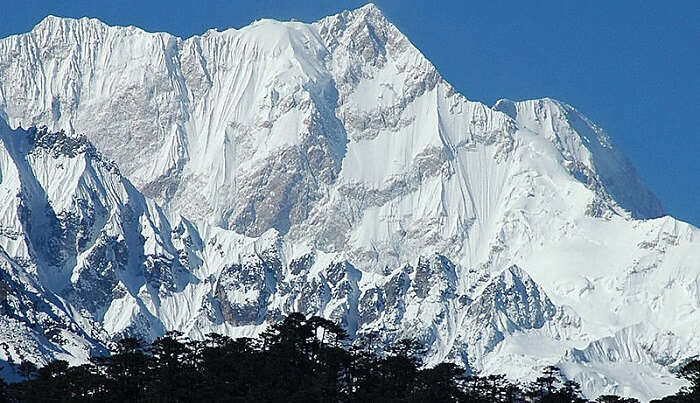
{"x": 49, "y": 20}
{"x": 368, "y": 16}
{"x": 370, "y": 7}
{"x": 371, "y": 10}
{"x": 316, "y": 164}
{"x": 588, "y": 152}
{"x": 53, "y": 22}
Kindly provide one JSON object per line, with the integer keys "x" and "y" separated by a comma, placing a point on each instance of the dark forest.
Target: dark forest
{"x": 297, "y": 360}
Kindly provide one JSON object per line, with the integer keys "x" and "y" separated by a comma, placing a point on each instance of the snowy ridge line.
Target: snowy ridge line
{"x": 326, "y": 168}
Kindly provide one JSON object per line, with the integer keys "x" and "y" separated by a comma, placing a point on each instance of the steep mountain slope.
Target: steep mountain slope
{"x": 328, "y": 168}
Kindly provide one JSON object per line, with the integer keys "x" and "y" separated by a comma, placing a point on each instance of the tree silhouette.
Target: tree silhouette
{"x": 299, "y": 359}
{"x": 615, "y": 399}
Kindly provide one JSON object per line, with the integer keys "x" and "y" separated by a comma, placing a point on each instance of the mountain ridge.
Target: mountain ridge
{"x": 330, "y": 169}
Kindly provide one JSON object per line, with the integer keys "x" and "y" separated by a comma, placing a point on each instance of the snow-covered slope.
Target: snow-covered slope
{"x": 327, "y": 168}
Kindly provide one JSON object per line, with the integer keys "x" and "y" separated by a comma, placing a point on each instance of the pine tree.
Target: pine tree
{"x": 127, "y": 371}
{"x": 175, "y": 379}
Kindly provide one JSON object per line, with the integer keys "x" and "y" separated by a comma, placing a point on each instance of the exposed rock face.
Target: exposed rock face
{"x": 325, "y": 168}
{"x": 244, "y": 289}
{"x": 510, "y": 303}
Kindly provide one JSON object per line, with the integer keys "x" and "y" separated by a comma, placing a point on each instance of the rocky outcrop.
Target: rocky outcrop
{"x": 325, "y": 168}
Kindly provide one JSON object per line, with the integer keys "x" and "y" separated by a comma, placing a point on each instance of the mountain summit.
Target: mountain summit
{"x": 219, "y": 182}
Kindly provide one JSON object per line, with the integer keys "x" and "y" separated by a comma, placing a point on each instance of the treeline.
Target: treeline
{"x": 298, "y": 360}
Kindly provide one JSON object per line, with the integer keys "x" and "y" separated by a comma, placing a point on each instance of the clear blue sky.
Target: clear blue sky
{"x": 631, "y": 66}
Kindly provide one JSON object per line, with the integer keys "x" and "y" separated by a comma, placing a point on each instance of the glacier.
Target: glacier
{"x": 219, "y": 182}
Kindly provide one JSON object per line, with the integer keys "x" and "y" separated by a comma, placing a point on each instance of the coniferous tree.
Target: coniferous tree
{"x": 297, "y": 360}
{"x": 27, "y": 369}
{"x": 127, "y": 371}
{"x": 174, "y": 378}
{"x": 441, "y": 383}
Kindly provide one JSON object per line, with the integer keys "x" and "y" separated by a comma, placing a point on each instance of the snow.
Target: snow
{"x": 327, "y": 168}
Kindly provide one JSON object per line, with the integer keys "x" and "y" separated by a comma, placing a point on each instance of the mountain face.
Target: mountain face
{"x": 325, "y": 168}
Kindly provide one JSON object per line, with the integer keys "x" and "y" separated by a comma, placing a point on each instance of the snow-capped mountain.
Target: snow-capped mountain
{"x": 325, "y": 168}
